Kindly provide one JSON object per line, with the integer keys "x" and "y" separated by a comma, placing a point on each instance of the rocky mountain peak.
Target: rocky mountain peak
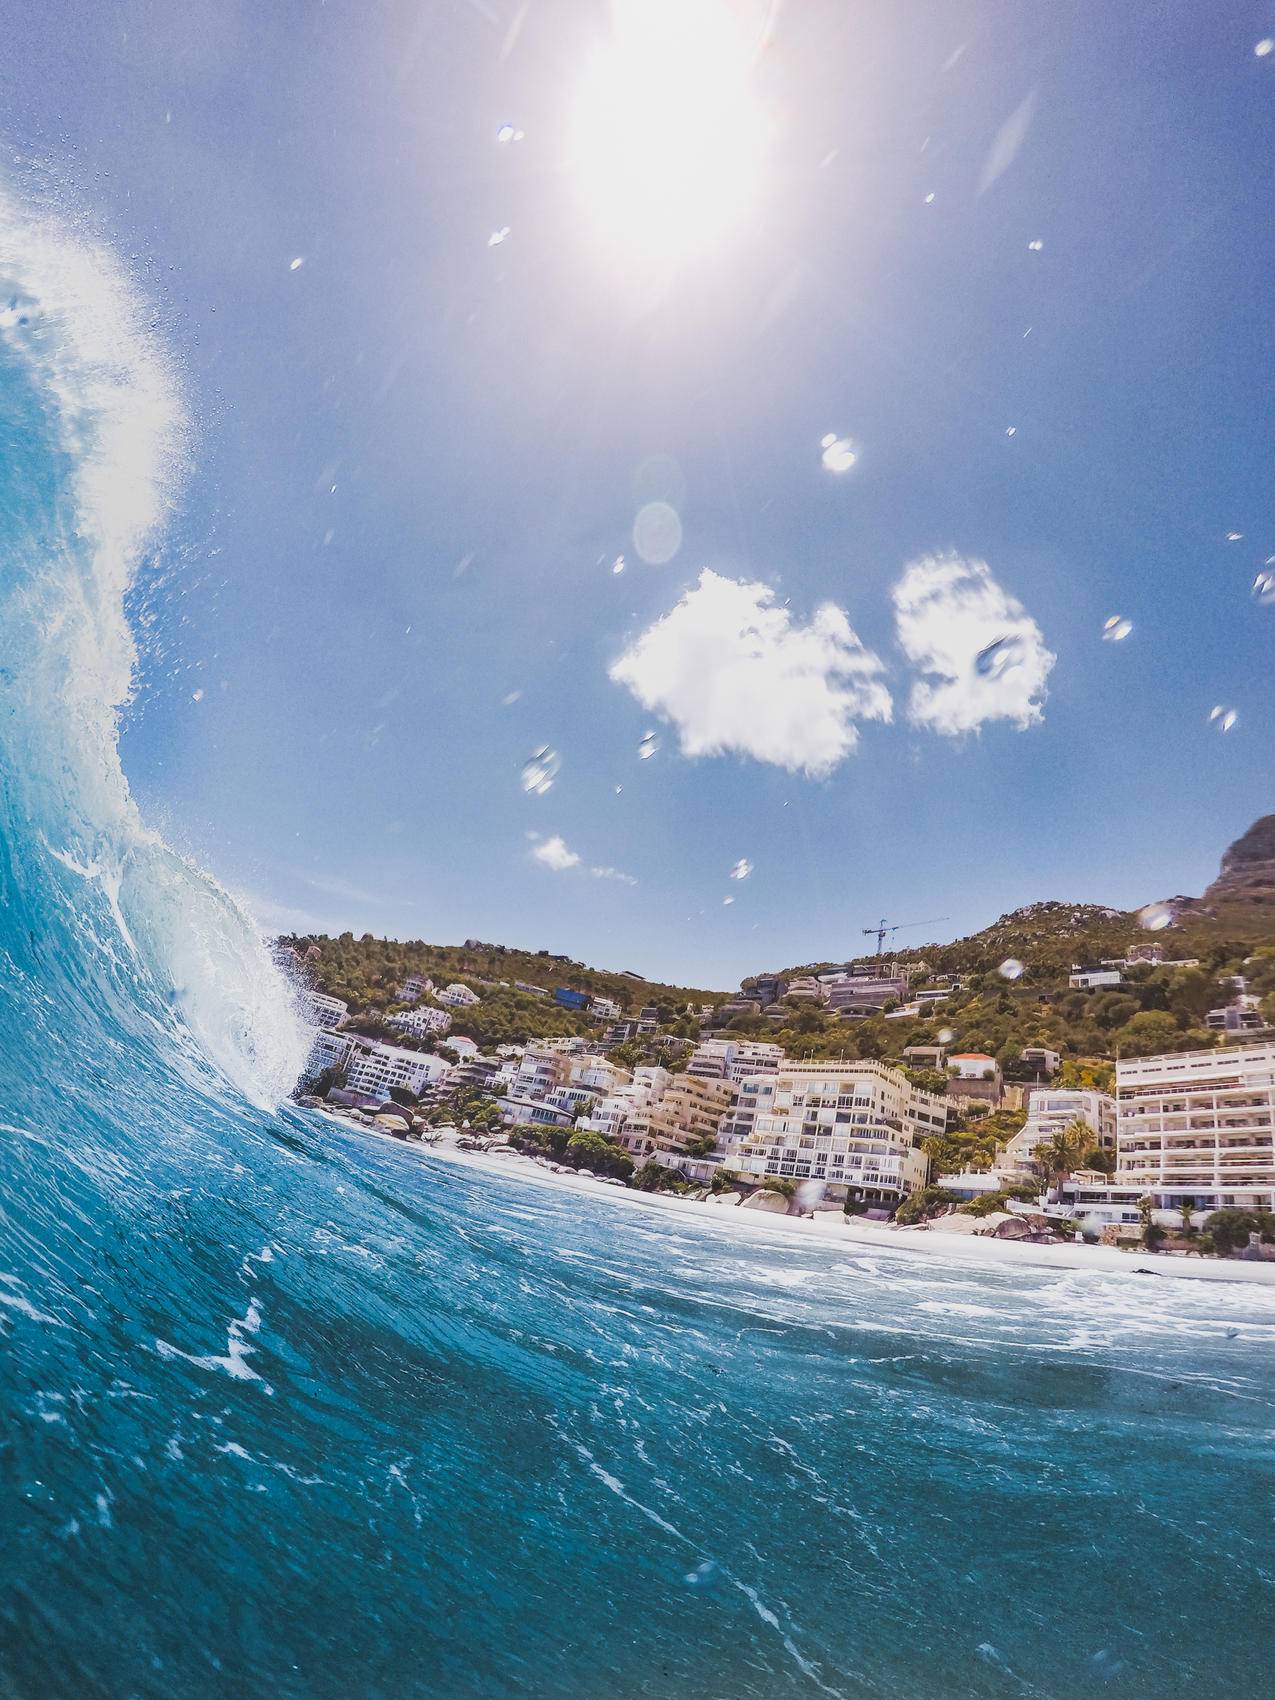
{"x": 1248, "y": 868}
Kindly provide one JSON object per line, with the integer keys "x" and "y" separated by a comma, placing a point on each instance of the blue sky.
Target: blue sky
{"x": 415, "y": 458}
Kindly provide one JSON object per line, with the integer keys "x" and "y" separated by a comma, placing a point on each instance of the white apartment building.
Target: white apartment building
{"x": 855, "y": 1126}
{"x": 422, "y": 1020}
{"x": 973, "y": 1065}
{"x": 1048, "y": 1112}
{"x": 373, "y": 1068}
{"x": 540, "y": 1071}
{"x": 415, "y": 986}
{"x": 610, "y": 1115}
{"x": 604, "y": 1009}
{"x": 688, "y": 1109}
{"x": 1199, "y": 1125}
{"x": 1094, "y": 979}
{"x": 328, "y": 1050}
{"x": 457, "y": 996}
{"x": 327, "y": 1011}
{"x": 733, "y": 1059}
{"x": 598, "y": 1074}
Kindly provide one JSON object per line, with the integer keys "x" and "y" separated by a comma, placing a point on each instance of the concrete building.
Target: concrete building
{"x": 373, "y": 1068}
{"x": 1050, "y": 1110}
{"x": 611, "y": 1114}
{"x": 1041, "y": 1060}
{"x": 520, "y": 1111}
{"x": 806, "y": 986}
{"x": 328, "y": 1012}
{"x": 864, "y": 994}
{"x": 598, "y": 1074}
{"x": 925, "y": 1056}
{"x": 541, "y": 1070}
{"x": 415, "y": 986}
{"x": 457, "y": 996}
{"x": 328, "y": 1050}
{"x": 1094, "y": 979}
{"x": 689, "y": 1109}
{"x": 975, "y": 1075}
{"x": 604, "y": 1009}
{"x": 422, "y": 1020}
{"x": 855, "y": 1126}
{"x": 1241, "y": 1015}
{"x": 733, "y": 1059}
{"x": 1199, "y": 1125}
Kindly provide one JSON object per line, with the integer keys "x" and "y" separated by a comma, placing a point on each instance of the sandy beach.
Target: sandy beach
{"x": 833, "y": 1229}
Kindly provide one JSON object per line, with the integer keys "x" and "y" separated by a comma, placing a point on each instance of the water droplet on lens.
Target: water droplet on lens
{"x": 1156, "y": 917}
{"x": 999, "y": 657}
{"x": 945, "y": 1035}
{"x": 1011, "y": 430}
{"x": 839, "y": 453}
{"x": 507, "y": 133}
{"x": 1011, "y": 969}
{"x": 1235, "y": 537}
{"x": 540, "y": 771}
{"x": 498, "y": 236}
{"x": 1264, "y": 588}
{"x": 197, "y": 696}
{"x": 1116, "y": 629}
{"x": 296, "y": 265}
{"x": 1265, "y": 47}
{"x": 726, "y": 901}
{"x": 647, "y": 748}
{"x": 510, "y": 698}
{"x": 929, "y": 199}
{"x": 617, "y": 566}
{"x": 742, "y": 869}
{"x": 808, "y": 1194}
{"x": 657, "y": 533}
{"x": 1222, "y": 717}
{"x": 1035, "y": 245}
{"x": 618, "y": 789}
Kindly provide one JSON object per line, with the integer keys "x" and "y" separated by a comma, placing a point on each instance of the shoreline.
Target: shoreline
{"x": 831, "y": 1228}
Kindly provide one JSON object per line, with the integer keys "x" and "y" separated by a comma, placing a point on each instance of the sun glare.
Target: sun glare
{"x": 668, "y": 139}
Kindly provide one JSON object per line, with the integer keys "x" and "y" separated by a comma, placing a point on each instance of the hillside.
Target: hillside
{"x": 366, "y": 973}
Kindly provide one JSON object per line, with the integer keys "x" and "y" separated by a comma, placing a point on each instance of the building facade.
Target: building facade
{"x": 1050, "y": 1110}
{"x": 1199, "y": 1125}
{"x": 855, "y": 1126}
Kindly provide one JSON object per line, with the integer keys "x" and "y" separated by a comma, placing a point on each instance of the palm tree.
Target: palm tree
{"x": 1187, "y": 1206}
{"x": 1061, "y": 1153}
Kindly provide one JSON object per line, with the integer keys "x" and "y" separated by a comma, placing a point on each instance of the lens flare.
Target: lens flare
{"x": 667, "y": 138}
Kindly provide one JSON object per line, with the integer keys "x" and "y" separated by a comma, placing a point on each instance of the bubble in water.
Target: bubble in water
{"x": 808, "y": 1194}
{"x": 1035, "y": 245}
{"x": 839, "y": 453}
{"x": 945, "y": 1035}
{"x": 540, "y": 771}
{"x": 1264, "y": 587}
{"x": 657, "y": 533}
{"x": 702, "y": 1576}
{"x": 617, "y": 566}
{"x": 1010, "y": 969}
{"x": 1156, "y": 917}
{"x": 498, "y": 236}
{"x": 507, "y": 133}
{"x": 296, "y": 265}
{"x": 1116, "y": 629}
{"x": 1265, "y": 47}
{"x": 647, "y": 748}
{"x": 1222, "y": 717}
{"x": 742, "y": 869}
{"x": 999, "y": 657}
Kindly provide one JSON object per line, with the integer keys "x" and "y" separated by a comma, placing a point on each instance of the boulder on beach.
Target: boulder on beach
{"x": 774, "y": 1203}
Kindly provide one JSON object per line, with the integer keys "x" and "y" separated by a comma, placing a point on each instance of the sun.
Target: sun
{"x": 668, "y": 140}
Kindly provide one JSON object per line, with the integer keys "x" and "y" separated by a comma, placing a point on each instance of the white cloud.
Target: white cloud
{"x": 613, "y": 874}
{"x": 734, "y": 672}
{"x": 553, "y": 853}
{"x": 984, "y": 654}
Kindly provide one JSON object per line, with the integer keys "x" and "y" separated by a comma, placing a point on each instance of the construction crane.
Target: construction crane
{"x": 878, "y": 932}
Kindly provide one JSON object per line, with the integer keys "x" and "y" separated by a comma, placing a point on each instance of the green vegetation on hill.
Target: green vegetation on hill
{"x": 366, "y": 973}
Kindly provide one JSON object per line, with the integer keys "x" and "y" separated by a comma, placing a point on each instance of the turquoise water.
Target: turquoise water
{"x": 292, "y": 1411}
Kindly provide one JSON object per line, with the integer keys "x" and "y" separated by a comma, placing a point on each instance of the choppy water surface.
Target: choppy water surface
{"x": 288, "y": 1411}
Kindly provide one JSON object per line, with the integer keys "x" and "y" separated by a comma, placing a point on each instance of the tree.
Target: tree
{"x": 1096, "y": 1157}
{"x": 929, "y": 1201}
{"x": 589, "y": 1150}
{"x": 1059, "y": 1156}
{"x": 1152, "y": 1233}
